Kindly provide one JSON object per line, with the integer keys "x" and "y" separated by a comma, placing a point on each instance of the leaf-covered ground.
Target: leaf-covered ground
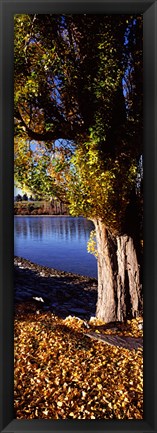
{"x": 61, "y": 373}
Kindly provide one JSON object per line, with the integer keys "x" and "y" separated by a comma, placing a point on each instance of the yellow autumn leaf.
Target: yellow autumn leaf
{"x": 59, "y": 403}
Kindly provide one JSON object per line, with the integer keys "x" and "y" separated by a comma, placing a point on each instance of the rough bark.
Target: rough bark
{"x": 119, "y": 287}
{"x": 106, "y": 303}
{"x": 128, "y": 279}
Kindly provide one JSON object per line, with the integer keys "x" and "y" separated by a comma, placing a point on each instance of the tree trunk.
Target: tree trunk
{"x": 119, "y": 287}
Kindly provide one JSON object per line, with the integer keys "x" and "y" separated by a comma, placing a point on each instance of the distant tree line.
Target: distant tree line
{"x": 25, "y": 197}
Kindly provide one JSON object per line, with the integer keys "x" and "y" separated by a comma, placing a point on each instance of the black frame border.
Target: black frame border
{"x": 149, "y": 10}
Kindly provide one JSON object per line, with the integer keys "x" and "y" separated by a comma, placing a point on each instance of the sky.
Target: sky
{"x": 17, "y": 191}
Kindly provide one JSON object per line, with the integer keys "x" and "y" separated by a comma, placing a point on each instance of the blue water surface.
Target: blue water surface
{"x": 58, "y": 242}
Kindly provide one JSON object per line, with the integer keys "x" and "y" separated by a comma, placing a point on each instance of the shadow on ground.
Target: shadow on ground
{"x": 63, "y": 294}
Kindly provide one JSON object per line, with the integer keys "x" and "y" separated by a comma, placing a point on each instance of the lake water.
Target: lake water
{"x": 58, "y": 242}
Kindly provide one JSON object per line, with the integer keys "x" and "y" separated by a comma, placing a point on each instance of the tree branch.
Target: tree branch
{"x": 62, "y": 130}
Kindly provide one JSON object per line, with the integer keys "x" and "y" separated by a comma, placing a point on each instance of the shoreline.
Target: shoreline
{"x": 64, "y": 293}
{"x": 32, "y": 265}
{"x": 43, "y": 215}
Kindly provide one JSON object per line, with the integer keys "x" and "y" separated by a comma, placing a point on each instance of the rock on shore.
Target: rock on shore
{"x": 63, "y": 293}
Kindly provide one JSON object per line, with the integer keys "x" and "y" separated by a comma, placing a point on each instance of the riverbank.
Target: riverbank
{"x": 63, "y": 293}
{"x": 42, "y": 289}
{"x": 43, "y": 215}
{"x": 40, "y": 207}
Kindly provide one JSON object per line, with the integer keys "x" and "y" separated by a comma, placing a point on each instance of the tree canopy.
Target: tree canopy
{"x": 78, "y": 95}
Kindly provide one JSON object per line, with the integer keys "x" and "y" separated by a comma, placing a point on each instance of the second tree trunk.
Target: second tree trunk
{"x": 119, "y": 286}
